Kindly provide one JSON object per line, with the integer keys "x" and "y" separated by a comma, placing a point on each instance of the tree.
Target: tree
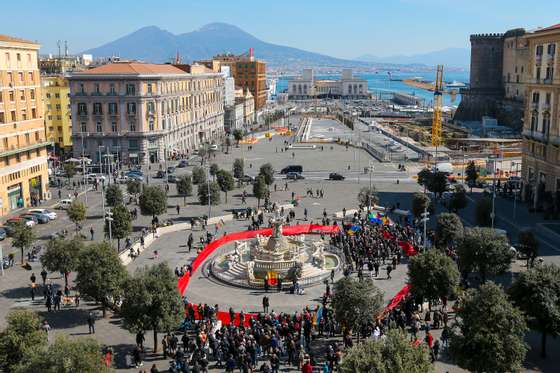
{"x": 393, "y": 354}
{"x": 267, "y": 172}
{"x": 259, "y": 189}
{"x": 198, "y": 175}
{"x": 153, "y": 301}
{"x": 121, "y": 225}
{"x": 537, "y": 293}
{"x": 66, "y": 355}
{"x": 368, "y": 196}
{"x": 458, "y": 199}
{"x": 484, "y": 251}
{"x": 423, "y": 177}
{"x": 77, "y": 213}
{"x": 153, "y": 201}
{"x": 482, "y": 211}
{"x": 489, "y": 332}
{"x": 420, "y": 203}
{"x": 22, "y": 335}
{"x": 356, "y": 303}
{"x": 437, "y": 183}
{"x": 203, "y": 153}
{"x": 113, "y": 195}
{"x": 101, "y": 274}
{"x": 449, "y": 229}
{"x": 22, "y": 237}
{"x": 133, "y": 187}
{"x": 214, "y": 168}
{"x": 471, "y": 175}
{"x": 204, "y": 189}
{"x": 225, "y": 181}
{"x": 62, "y": 256}
{"x": 69, "y": 170}
{"x": 238, "y": 135}
{"x": 238, "y": 168}
{"x": 528, "y": 245}
{"x": 433, "y": 275}
{"x": 184, "y": 187}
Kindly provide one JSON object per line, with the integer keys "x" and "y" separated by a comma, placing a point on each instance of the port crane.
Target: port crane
{"x": 436, "y": 120}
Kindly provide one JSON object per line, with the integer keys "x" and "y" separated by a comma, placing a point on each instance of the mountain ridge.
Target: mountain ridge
{"x": 452, "y": 57}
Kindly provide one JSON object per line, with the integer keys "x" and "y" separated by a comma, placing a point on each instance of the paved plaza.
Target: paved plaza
{"x": 172, "y": 249}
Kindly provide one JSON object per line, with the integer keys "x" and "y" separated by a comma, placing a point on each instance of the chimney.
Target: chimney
{"x": 251, "y": 53}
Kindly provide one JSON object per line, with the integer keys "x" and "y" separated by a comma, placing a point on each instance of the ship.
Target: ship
{"x": 406, "y": 99}
{"x": 455, "y": 84}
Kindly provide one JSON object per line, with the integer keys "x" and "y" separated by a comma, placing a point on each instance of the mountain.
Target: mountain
{"x": 156, "y": 45}
{"x": 452, "y": 57}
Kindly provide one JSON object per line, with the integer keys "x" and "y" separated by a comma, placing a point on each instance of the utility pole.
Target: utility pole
{"x": 425, "y": 218}
{"x": 109, "y": 219}
{"x": 84, "y": 173}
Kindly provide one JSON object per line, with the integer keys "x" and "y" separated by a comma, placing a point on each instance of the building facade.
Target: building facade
{"x": 541, "y": 132}
{"x": 141, "y": 113}
{"x": 57, "y": 112}
{"x": 23, "y": 144}
{"x": 307, "y": 87}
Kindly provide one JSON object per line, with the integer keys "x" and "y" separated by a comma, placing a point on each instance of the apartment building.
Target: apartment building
{"x": 139, "y": 112}
{"x": 57, "y": 112}
{"x": 541, "y": 131}
{"x": 23, "y": 144}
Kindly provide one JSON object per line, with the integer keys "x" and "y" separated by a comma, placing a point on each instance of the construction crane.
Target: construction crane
{"x": 436, "y": 120}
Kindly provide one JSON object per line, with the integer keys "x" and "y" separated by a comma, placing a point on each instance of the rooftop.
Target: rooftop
{"x": 133, "y": 68}
{"x": 12, "y": 39}
{"x": 550, "y": 28}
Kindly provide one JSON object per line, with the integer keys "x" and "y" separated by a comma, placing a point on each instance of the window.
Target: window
{"x": 114, "y": 126}
{"x": 30, "y": 75}
{"x": 112, "y": 108}
{"x": 538, "y": 73}
{"x": 150, "y": 88}
{"x": 536, "y": 97}
{"x": 27, "y": 139}
{"x": 132, "y": 126}
{"x": 20, "y": 75}
{"x": 83, "y": 127}
{"x": 551, "y": 49}
{"x": 34, "y": 113}
{"x": 151, "y": 125}
{"x": 130, "y": 89}
{"x": 57, "y": 95}
{"x": 59, "y": 117}
{"x": 98, "y": 127}
{"x": 11, "y": 96}
{"x": 133, "y": 144}
{"x": 13, "y": 115}
{"x": 112, "y": 90}
{"x": 58, "y": 107}
{"x": 539, "y": 50}
{"x": 131, "y": 108}
{"x": 49, "y": 117}
{"x": 150, "y": 107}
{"x": 22, "y": 95}
{"x": 82, "y": 108}
{"x": 97, "y": 88}
{"x": 7, "y": 54}
{"x": 82, "y": 88}
{"x": 2, "y": 117}
{"x": 32, "y": 94}
{"x": 97, "y": 108}
{"x": 10, "y": 78}
{"x": 548, "y": 98}
{"x": 18, "y": 57}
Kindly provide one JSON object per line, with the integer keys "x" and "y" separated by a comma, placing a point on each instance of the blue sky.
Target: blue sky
{"x": 343, "y": 28}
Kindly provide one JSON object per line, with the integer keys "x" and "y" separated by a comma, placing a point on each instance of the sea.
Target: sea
{"x": 382, "y": 84}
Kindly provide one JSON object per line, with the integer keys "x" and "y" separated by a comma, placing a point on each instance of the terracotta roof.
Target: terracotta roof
{"x": 133, "y": 68}
{"x": 12, "y": 39}
{"x": 550, "y": 28}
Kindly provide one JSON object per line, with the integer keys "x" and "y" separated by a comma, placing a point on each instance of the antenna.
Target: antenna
{"x": 65, "y": 48}
{"x": 58, "y": 44}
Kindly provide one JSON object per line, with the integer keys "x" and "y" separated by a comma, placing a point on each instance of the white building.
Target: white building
{"x": 307, "y": 87}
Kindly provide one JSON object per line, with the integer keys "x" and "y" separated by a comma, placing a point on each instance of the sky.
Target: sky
{"x": 342, "y": 28}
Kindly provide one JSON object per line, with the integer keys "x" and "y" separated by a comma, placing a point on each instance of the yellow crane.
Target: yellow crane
{"x": 438, "y": 95}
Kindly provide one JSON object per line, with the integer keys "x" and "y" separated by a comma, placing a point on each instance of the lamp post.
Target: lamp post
{"x": 84, "y": 173}
{"x": 425, "y": 218}
{"x": 109, "y": 219}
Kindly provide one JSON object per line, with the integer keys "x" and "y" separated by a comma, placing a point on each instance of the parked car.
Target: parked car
{"x": 159, "y": 175}
{"x": 9, "y": 229}
{"x": 336, "y": 176}
{"x": 37, "y": 217}
{"x": 134, "y": 172}
{"x": 63, "y": 204}
{"x": 292, "y": 168}
{"x": 92, "y": 178}
{"x": 294, "y": 176}
{"x": 170, "y": 169}
{"x": 171, "y": 179}
{"x": 122, "y": 179}
{"x": 135, "y": 177}
{"x": 247, "y": 179}
{"x": 49, "y": 213}
{"x": 183, "y": 164}
{"x": 18, "y": 220}
{"x": 3, "y": 234}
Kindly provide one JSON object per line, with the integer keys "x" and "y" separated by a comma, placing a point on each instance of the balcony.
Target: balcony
{"x": 546, "y": 106}
{"x": 538, "y": 59}
{"x": 554, "y": 140}
{"x": 534, "y": 106}
{"x": 15, "y": 149}
{"x": 536, "y": 135}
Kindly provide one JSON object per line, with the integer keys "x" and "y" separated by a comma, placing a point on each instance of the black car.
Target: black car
{"x": 183, "y": 164}
{"x": 294, "y": 176}
{"x": 170, "y": 169}
{"x": 292, "y": 168}
{"x": 160, "y": 175}
{"x": 171, "y": 179}
{"x": 336, "y": 176}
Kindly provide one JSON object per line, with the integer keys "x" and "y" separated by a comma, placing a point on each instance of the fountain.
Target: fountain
{"x": 277, "y": 258}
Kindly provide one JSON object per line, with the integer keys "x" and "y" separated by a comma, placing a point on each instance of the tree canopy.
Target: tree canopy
{"x": 22, "y": 237}
{"x": 484, "y": 251}
{"x": 153, "y": 301}
{"x": 225, "y": 181}
{"x": 209, "y": 191}
{"x": 238, "y": 135}
{"x": 62, "y": 255}
{"x": 433, "y": 275}
{"x": 528, "y": 245}
{"x": 77, "y": 212}
{"x": 420, "y": 202}
{"x": 489, "y": 331}
{"x": 153, "y": 201}
{"x": 113, "y": 195}
{"x": 537, "y": 293}
{"x": 198, "y": 175}
{"x": 267, "y": 172}
{"x": 21, "y": 336}
{"x": 449, "y": 229}
{"x": 259, "y": 189}
{"x": 471, "y": 175}
{"x": 133, "y": 187}
{"x": 393, "y": 354}
{"x": 483, "y": 211}
{"x": 238, "y": 168}
{"x": 458, "y": 199}
{"x": 368, "y": 196}
{"x": 121, "y": 226}
{"x": 184, "y": 187}
{"x": 356, "y": 303}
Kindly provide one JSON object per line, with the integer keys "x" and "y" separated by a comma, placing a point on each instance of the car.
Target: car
{"x": 121, "y": 179}
{"x": 93, "y": 178}
{"x": 50, "y": 214}
{"x": 134, "y": 172}
{"x": 336, "y": 176}
{"x": 3, "y": 233}
{"x": 294, "y": 176}
{"x": 171, "y": 179}
{"x": 135, "y": 177}
{"x": 213, "y": 147}
{"x": 14, "y": 221}
{"x": 183, "y": 164}
{"x": 247, "y": 178}
{"x": 37, "y": 217}
{"x": 292, "y": 168}
{"x": 170, "y": 169}
{"x": 63, "y": 204}
{"x": 159, "y": 175}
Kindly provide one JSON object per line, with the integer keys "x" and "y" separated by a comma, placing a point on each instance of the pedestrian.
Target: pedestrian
{"x": 44, "y": 276}
{"x": 178, "y": 209}
{"x": 140, "y": 339}
{"x": 91, "y": 232}
{"x": 305, "y": 213}
{"x": 389, "y": 269}
{"x": 266, "y": 303}
{"x": 91, "y": 323}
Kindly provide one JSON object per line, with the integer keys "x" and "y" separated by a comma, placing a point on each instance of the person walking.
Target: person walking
{"x": 44, "y": 276}
{"x": 178, "y": 209}
{"x": 91, "y": 323}
{"x": 265, "y": 303}
{"x": 92, "y": 233}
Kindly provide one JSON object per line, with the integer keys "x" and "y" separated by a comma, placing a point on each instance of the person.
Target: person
{"x": 137, "y": 354}
{"x": 178, "y": 209}
{"x": 140, "y": 339}
{"x": 46, "y": 327}
{"x": 266, "y": 303}
{"x": 91, "y": 323}
{"x": 33, "y": 278}
{"x": 389, "y": 269}
{"x": 154, "y": 369}
{"x": 435, "y": 350}
{"x": 91, "y": 232}
{"x": 44, "y": 276}
{"x": 307, "y": 368}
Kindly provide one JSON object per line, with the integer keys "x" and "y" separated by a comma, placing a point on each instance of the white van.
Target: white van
{"x": 64, "y": 204}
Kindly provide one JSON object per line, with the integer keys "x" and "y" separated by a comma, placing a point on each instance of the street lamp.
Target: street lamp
{"x": 425, "y": 218}
{"x": 109, "y": 219}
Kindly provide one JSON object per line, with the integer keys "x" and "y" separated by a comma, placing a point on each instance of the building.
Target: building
{"x": 140, "y": 112}
{"x": 57, "y": 113}
{"x": 23, "y": 145}
{"x": 541, "y": 130}
{"x": 248, "y": 72}
{"x": 306, "y": 87}
{"x": 246, "y": 99}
